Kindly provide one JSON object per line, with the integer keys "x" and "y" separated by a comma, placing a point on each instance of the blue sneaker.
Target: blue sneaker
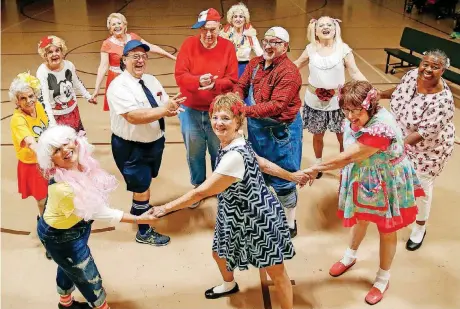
{"x": 152, "y": 238}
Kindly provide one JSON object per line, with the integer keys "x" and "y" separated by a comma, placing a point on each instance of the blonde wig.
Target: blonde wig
{"x": 118, "y": 16}
{"x": 311, "y": 31}
{"x": 240, "y": 7}
{"x": 22, "y": 83}
{"x": 47, "y": 41}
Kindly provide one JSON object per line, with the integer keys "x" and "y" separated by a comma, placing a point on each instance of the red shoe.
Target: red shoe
{"x": 374, "y": 295}
{"x": 339, "y": 268}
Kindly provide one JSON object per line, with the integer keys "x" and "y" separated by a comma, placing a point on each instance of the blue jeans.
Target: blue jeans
{"x": 198, "y": 135}
{"x": 280, "y": 143}
{"x": 76, "y": 267}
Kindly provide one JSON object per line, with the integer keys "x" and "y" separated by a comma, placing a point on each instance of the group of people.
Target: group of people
{"x": 388, "y": 158}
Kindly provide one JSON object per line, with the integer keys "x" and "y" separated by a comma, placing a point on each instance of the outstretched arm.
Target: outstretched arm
{"x": 355, "y": 153}
{"x": 353, "y": 70}
{"x": 215, "y": 184}
{"x": 158, "y": 50}
{"x": 302, "y": 60}
{"x": 271, "y": 168}
{"x": 101, "y": 71}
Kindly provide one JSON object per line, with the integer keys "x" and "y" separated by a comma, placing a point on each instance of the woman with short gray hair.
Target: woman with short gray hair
{"x": 423, "y": 106}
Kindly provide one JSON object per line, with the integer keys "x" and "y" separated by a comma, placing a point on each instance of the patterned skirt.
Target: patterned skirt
{"x": 251, "y": 231}
{"x": 384, "y": 194}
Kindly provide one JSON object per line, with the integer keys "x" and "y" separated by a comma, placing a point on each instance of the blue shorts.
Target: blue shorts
{"x": 138, "y": 162}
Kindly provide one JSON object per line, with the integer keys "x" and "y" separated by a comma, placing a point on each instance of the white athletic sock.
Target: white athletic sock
{"x": 290, "y": 216}
{"x": 382, "y": 279}
{"x": 417, "y": 233}
{"x": 318, "y": 160}
{"x": 348, "y": 257}
{"x": 224, "y": 287}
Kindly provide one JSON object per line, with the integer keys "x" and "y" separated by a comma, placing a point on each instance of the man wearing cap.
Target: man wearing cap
{"x": 206, "y": 66}
{"x": 138, "y": 104}
{"x": 272, "y": 83}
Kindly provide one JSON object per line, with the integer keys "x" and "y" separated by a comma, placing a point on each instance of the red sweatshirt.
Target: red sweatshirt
{"x": 194, "y": 60}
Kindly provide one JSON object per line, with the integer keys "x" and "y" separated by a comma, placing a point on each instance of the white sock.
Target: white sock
{"x": 348, "y": 257}
{"x": 224, "y": 287}
{"x": 290, "y": 216}
{"x": 382, "y": 279}
{"x": 318, "y": 160}
{"x": 417, "y": 233}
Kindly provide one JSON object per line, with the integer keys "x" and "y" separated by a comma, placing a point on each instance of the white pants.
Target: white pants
{"x": 424, "y": 202}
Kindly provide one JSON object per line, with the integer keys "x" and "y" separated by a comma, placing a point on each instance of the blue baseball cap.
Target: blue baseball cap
{"x": 134, "y": 44}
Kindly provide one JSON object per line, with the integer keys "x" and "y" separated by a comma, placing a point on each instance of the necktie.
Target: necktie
{"x": 152, "y": 102}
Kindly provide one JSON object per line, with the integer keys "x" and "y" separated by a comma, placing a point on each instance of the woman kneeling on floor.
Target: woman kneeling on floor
{"x": 378, "y": 183}
{"x": 251, "y": 227}
{"x": 77, "y": 194}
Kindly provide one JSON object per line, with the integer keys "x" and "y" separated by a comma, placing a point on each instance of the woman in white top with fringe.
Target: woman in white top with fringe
{"x": 327, "y": 57}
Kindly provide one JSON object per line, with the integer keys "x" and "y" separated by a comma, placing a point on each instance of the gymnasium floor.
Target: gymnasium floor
{"x": 176, "y": 276}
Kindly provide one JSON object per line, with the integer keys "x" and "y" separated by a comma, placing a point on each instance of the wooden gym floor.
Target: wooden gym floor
{"x": 176, "y": 276}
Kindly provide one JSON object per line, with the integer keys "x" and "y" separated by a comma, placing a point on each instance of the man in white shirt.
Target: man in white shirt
{"x": 138, "y": 104}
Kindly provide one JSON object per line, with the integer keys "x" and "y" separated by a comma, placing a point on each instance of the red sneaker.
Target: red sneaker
{"x": 339, "y": 268}
{"x": 374, "y": 295}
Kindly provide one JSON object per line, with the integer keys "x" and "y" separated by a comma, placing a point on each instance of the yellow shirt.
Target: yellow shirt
{"x": 22, "y": 126}
{"x": 59, "y": 207}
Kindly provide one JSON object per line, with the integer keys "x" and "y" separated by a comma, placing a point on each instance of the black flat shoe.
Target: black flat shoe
{"x": 412, "y": 246}
{"x": 320, "y": 174}
{"x": 209, "y": 294}
{"x": 75, "y": 305}
{"x": 48, "y": 256}
{"x": 293, "y": 231}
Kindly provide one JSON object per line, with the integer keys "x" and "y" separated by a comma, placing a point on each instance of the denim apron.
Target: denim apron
{"x": 278, "y": 142}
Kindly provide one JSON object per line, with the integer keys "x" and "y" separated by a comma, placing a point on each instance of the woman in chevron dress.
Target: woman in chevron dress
{"x": 378, "y": 182}
{"x": 251, "y": 227}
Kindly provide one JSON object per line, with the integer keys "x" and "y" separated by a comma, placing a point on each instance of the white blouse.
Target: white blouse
{"x": 326, "y": 72}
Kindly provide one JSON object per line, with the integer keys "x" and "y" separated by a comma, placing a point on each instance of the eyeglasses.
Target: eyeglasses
{"x": 138, "y": 57}
{"x": 211, "y": 30}
{"x": 354, "y": 112}
{"x": 271, "y": 43}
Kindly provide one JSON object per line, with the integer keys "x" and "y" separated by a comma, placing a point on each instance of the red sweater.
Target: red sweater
{"x": 194, "y": 60}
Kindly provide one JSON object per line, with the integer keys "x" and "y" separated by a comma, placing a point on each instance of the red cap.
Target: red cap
{"x": 205, "y": 16}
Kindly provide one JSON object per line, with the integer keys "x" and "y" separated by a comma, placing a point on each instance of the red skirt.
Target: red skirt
{"x": 31, "y": 182}
{"x": 71, "y": 119}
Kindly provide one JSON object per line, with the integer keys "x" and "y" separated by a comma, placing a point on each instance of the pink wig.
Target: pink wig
{"x": 90, "y": 183}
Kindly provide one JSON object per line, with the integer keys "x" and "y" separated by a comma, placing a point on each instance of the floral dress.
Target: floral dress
{"x": 382, "y": 188}
{"x": 431, "y": 115}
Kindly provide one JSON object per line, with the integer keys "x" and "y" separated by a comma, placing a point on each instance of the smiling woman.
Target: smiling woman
{"x": 424, "y": 108}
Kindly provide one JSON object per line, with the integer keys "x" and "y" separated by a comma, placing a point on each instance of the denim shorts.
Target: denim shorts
{"x": 138, "y": 162}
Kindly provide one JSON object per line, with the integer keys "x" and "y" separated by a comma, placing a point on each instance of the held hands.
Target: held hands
{"x": 207, "y": 81}
{"x": 300, "y": 178}
{"x": 93, "y": 99}
{"x": 312, "y": 173}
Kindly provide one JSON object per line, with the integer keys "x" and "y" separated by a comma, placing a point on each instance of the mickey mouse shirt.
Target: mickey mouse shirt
{"x": 58, "y": 89}
{"x": 22, "y": 126}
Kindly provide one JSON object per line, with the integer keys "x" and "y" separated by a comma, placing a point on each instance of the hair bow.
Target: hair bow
{"x": 81, "y": 133}
{"x": 371, "y": 95}
{"x": 45, "y": 42}
{"x": 30, "y": 80}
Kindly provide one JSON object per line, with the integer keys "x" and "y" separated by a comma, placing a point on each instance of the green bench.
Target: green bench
{"x": 417, "y": 42}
